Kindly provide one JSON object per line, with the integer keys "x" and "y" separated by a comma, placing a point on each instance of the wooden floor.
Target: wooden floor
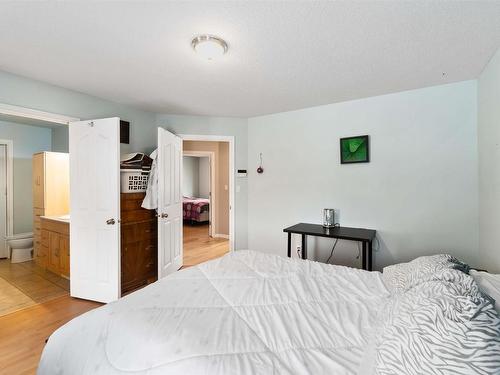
{"x": 199, "y": 247}
{"x": 23, "y": 333}
{"x": 26, "y": 284}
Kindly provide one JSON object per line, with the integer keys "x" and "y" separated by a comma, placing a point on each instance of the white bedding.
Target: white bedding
{"x": 246, "y": 313}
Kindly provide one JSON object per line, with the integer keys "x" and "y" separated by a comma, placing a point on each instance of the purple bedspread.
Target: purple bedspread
{"x": 194, "y": 207}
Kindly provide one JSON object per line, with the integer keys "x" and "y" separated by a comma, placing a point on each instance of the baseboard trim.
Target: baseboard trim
{"x": 226, "y": 236}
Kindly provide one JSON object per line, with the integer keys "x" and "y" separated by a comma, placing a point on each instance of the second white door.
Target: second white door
{"x": 170, "y": 255}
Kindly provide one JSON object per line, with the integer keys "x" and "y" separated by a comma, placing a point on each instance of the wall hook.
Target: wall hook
{"x": 260, "y": 169}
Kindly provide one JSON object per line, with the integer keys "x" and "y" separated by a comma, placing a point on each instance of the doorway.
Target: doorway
{"x": 23, "y": 282}
{"x": 207, "y": 195}
{"x": 199, "y": 189}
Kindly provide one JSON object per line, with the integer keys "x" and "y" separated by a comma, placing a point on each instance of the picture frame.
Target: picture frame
{"x": 355, "y": 149}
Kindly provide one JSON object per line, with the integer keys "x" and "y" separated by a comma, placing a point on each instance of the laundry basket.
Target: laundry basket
{"x": 133, "y": 180}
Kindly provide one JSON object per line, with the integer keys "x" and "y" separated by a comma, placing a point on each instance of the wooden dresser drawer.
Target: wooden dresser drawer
{"x": 131, "y": 210}
{"x": 139, "y": 243}
{"x": 144, "y": 230}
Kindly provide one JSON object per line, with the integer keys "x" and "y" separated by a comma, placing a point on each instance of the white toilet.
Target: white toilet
{"x": 21, "y": 246}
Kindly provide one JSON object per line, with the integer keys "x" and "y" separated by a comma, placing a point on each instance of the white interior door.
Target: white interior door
{"x": 94, "y": 154}
{"x": 169, "y": 203}
{"x": 3, "y": 201}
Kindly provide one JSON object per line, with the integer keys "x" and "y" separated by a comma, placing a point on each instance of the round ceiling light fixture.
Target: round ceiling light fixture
{"x": 209, "y": 46}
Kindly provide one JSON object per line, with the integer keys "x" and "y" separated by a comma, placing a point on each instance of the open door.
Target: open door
{"x": 94, "y": 154}
{"x": 169, "y": 203}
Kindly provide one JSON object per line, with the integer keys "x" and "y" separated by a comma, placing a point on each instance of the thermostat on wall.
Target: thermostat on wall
{"x": 241, "y": 173}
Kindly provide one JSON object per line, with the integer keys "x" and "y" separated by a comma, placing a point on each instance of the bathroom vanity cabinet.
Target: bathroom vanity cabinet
{"x": 50, "y": 196}
{"x": 55, "y": 244}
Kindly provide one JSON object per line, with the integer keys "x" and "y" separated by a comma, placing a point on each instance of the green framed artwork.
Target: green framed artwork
{"x": 354, "y": 149}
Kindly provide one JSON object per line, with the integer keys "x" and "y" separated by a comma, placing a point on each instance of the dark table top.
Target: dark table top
{"x": 344, "y": 233}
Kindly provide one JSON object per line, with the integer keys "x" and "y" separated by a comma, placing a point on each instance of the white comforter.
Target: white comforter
{"x": 246, "y": 313}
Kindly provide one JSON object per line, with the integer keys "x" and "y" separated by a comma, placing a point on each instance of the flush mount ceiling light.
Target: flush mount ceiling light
{"x": 209, "y": 46}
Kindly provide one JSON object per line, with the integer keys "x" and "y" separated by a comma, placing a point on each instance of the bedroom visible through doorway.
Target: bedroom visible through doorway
{"x": 206, "y": 207}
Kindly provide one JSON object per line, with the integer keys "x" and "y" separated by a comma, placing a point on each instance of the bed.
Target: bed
{"x": 252, "y": 313}
{"x": 195, "y": 210}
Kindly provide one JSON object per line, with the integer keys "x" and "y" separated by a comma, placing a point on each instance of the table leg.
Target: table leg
{"x": 370, "y": 250}
{"x": 363, "y": 259}
{"x": 289, "y": 248}
{"x": 304, "y": 246}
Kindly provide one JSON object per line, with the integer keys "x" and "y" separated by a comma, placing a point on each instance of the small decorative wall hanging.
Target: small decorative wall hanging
{"x": 260, "y": 169}
{"x": 354, "y": 149}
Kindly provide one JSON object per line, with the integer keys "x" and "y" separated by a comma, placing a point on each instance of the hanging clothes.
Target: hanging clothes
{"x": 150, "y": 201}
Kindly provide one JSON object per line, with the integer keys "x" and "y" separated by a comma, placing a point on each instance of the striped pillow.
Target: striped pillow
{"x": 400, "y": 277}
{"x": 442, "y": 325}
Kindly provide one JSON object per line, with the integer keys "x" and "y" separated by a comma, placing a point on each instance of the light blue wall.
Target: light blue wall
{"x": 489, "y": 159}
{"x": 29, "y": 93}
{"x": 27, "y": 140}
{"x": 419, "y": 191}
{"x": 25, "y": 92}
{"x": 191, "y": 176}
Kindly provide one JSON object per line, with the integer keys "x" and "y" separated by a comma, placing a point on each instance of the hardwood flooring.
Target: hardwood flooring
{"x": 23, "y": 333}
{"x": 199, "y": 247}
{"x": 12, "y": 299}
{"x": 26, "y": 284}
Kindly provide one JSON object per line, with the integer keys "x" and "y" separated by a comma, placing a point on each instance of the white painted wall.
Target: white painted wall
{"x": 27, "y": 141}
{"x": 204, "y": 177}
{"x": 419, "y": 191}
{"x": 489, "y": 164}
{"x": 191, "y": 173}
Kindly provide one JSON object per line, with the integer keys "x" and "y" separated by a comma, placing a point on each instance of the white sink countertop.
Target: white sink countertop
{"x": 61, "y": 218}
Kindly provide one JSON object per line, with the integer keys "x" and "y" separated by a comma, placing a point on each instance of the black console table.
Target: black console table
{"x": 365, "y": 236}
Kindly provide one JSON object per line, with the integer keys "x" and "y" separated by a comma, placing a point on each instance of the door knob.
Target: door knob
{"x": 110, "y": 221}
{"x": 164, "y": 216}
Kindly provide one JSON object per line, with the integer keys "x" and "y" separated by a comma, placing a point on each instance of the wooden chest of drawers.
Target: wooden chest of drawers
{"x": 139, "y": 243}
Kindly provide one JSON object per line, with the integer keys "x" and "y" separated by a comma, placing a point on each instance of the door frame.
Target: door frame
{"x": 9, "y": 220}
{"x": 36, "y": 115}
{"x": 230, "y": 140}
{"x": 213, "y": 193}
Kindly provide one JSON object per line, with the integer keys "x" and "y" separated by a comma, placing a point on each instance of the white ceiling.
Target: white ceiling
{"x": 282, "y": 55}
